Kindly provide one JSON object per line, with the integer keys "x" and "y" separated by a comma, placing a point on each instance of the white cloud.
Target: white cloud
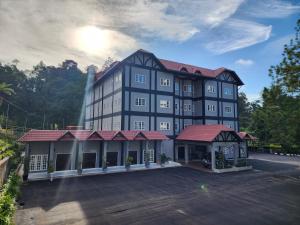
{"x": 270, "y": 8}
{"x": 236, "y": 34}
{"x": 47, "y": 30}
{"x": 244, "y": 62}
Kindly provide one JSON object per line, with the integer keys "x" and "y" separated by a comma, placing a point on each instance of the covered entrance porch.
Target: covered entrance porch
{"x": 215, "y": 147}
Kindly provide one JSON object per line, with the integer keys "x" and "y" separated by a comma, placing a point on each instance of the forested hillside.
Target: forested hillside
{"x": 47, "y": 97}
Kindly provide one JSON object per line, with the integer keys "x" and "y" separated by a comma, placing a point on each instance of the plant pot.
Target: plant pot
{"x": 25, "y": 177}
{"x": 51, "y": 176}
{"x": 104, "y": 169}
{"x": 127, "y": 167}
{"x": 79, "y": 172}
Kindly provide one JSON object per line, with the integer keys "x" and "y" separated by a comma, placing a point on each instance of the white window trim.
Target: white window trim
{"x": 141, "y": 125}
{"x": 165, "y": 82}
{"x": 164, "y": 126}
{"x": 211, "y": 88}
{"x": 211, "y": 108}
{"x": 228, "y": 107}
{"x": 228, "y": 91}
{"x": 164, "y": 104}
{"x": 151, "y": 155}
{"x": 139, "y": 101}
{"x": 187, "y": 88}
{"x": 187, "y": 107}
{"x": 138, "y": 78}
{"x": 42, "y": 159}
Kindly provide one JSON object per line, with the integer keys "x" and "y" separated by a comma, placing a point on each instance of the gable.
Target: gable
{"x": 230, "y": 76}
{"x": 144, "y": 59}
{"x": 227, "y": 136}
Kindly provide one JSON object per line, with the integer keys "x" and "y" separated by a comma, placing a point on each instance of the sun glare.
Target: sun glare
{"x": 92, "y": 40}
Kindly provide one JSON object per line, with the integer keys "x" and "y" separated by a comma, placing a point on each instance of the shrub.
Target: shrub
{"x": 164, "y": 158}
{"x": 10, "y": 192}
{"x": 129, "y": 161}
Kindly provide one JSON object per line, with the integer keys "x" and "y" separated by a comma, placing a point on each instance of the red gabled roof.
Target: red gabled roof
{"x": 246, "y": 136}
{"x": 41, "y": 135}
{"x": 205, "y": 133}
{"x": 154, "y": 135}
{"x": 176, "y": 66}
{"x": 107, "y": 135}
{"x": 83, "y": 135}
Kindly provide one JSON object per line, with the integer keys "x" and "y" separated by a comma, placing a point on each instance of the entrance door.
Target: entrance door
{"x": 133, "y": 154}
{"x": 181, "y": 153}
{"x": 198, "y": 153}
{"x": 63, "y": 162}
{"x": 89, "y": 160}
{"x": 112, "y": 158}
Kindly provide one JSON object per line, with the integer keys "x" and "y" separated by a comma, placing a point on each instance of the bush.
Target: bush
{"x": 164, "y": 158}
{"x": 10, "y": 192}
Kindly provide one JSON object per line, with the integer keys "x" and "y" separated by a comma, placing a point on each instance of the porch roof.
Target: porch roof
{"x": 246, "y": 136}
{"x": 86, "y": 135}
{"x": 205, "y": 133}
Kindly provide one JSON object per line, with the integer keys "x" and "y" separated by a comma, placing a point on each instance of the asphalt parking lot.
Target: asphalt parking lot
{"x": 269, "y": 194}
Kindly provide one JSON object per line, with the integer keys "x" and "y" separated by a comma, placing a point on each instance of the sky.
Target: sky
{"x": 246, "y": 36}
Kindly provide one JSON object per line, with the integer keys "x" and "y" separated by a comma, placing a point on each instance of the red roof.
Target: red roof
{"x": 246, "y": 136}
{"x": 82, "y": 135}
{"x": 42, "y": 135}
{"x": 206, "y": 133}
{"x": 171, "y": 65}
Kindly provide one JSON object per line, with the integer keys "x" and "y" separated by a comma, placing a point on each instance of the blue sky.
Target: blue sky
{"x": 243, "y": 35}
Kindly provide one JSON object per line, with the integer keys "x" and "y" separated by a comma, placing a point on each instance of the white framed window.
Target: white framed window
{"x": 211, "y": 108}
{"x": 176, "y": 86}
{"x": 140, "y": 78}
{"x": 164, "y": 126}
{"x": 211, "y": 88}
{"x": 38, "y": 163}
{"x": 151, "y": 155}
{"x": 187, "y": 107}
{"x": 139, "y": 125}
{"x": 140, "y": 102}
{"x": 227, "y": 91}
{"x": 228, "y": 109}
{"x": 187, "y": 88}
{"x": 118, "y": 78}
{"x": 164, "y": 82}
{"x": 164, "y": 103}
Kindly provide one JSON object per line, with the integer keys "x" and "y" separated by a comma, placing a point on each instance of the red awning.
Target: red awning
{"x": 205, "y": 133}
{"x": 84, "y": 135}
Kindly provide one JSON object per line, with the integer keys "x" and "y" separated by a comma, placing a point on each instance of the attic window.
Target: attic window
{"x": 183, "y": 69}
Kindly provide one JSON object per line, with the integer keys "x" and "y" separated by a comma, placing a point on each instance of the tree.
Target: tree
{"x": 6, "y": 89}
{"x": 287, "y": 73}
{"x": 244, "y": 109}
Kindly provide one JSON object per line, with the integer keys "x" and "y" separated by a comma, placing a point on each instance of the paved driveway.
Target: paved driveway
{"x": 268, "y": 195}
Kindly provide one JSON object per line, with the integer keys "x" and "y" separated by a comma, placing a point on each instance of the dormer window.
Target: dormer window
{"x": 197, "y": 72}
{"x": 183, "y": 69}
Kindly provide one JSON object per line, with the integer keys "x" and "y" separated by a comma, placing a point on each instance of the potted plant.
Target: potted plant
{"x": 128, "y": 162}
{"x": 104, "y": 164}
{"x": 163, "y": 159}
{"x": 147, "y": 160}
{"x": 50, "y": 171}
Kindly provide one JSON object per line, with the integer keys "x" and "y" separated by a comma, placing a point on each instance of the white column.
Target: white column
{"x": 104, "y": 152}
{"x": 186, "y": 153}
{"x": 213, "y": 157}
{"x": 80, "y": 156}
{"x": 51, "y": 154}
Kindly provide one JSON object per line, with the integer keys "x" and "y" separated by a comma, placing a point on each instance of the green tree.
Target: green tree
{"x": 287, "y": 73}
{"x": 6, "y": 89}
